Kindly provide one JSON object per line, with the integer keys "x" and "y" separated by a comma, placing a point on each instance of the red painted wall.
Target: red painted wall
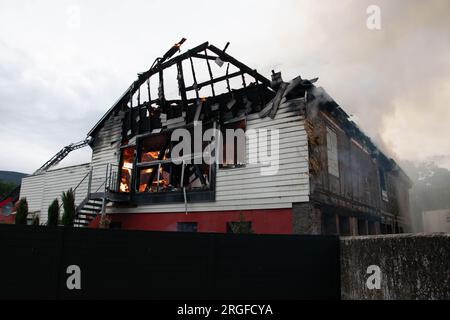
{"x": 6, "y": 219}
{"x": 270, "y": 221}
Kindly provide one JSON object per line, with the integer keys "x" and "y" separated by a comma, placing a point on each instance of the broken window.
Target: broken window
{"x": 154, "y": 175}
{"x": 383, "y": 186}
{"x": 234, "y": 151}
{"x": 158, "y": 172}
{"x": 332, "y": 153}
{"x": 126, "y": 168}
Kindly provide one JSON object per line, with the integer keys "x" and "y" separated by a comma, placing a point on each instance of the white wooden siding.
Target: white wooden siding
{"x": 245, "y": 188}
{"x": 40, "y": 190}
{"x": 105, "y": 149}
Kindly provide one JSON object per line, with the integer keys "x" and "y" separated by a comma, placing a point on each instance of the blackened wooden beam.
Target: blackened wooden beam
{"x": 227, "y": 77}
{"x": 139, "y": 96}
{"x": 182, "y": 86}
{"x": 148, "y": 90}
{"x": 161, "y": 96}
{"x": 199, "y": 174}
{"x": 195, "y": 86}
{"x": 222, "y": 55}
{"x": 161, "y": 66}
{"x": 222, "y": 78}
{"x": 210, "y": 76}
{"x": 204, "y": 56}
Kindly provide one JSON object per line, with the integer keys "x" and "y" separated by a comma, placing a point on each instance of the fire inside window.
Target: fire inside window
{"x": 126, "y": 169}
{"x": 155, "y": 178}
{"x": 157, "y": 172}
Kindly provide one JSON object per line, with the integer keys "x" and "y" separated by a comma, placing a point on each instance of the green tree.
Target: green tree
{"x": 68, "y": 199}
{"x": 5, "y": 188}
{"x": 22, "y": 212}
{"x": 53, "y": 213}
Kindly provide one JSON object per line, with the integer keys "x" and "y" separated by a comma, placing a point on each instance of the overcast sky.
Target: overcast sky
{"x": 64, "y": 63}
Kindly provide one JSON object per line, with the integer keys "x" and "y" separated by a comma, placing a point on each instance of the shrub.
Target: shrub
{"x": 22, "y": 212}
{"x": 68, "y": 199}
{"x": 53, "y": 213}
{"x": 35, "y": 221}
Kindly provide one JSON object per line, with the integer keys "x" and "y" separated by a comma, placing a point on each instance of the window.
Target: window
{"x": 362, "y": 227}
{"x": 187, "y": 226}
{"x": 383, "y": 187}
{"x": 157, "y": 172}
{"x": 126, "y": 168}
{"x": 332, "y": 153}
{"x": 8, "y": 209}
{"x": 158, "y": 177}
{"x": 344, "y": 226}
{"x": 233, "y": 152}
{"x": 239, "y": 227}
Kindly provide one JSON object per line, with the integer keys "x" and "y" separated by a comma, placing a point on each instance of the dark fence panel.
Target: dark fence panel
{"x": 120, "y": 264}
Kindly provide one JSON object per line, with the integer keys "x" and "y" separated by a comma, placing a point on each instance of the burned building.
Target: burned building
{"x": 327, "y": 178}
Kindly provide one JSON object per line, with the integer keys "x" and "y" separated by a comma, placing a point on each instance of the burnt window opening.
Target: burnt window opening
{"x": 332, "y": 153}
{"x": 362, "y": 227}
{"x": 329, "y": 223}
{"x": 187, "y": 227}
{"x": 383, "y": 184}
{"x": 148, "y": 168}
{"x": 344, "y": 226}
{"x": 233, "y": 145}
{"x": 126, "y": 168}
{"x": 158, "y": 177}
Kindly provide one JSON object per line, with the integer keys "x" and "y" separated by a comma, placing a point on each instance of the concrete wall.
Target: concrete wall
{"x": 412, "y": 266}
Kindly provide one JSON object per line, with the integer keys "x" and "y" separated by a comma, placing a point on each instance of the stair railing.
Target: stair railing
{"x": 89, "y": 174}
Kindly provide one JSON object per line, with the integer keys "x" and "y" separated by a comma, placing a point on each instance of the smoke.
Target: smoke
{"x": 395, "y": 81}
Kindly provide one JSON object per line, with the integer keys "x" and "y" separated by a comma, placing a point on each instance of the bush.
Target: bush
{"x": 22, "y": 212}
{"x": 53, "y": 213}
{"x": 68, "y": 199}
{"x": 35, "y": 221}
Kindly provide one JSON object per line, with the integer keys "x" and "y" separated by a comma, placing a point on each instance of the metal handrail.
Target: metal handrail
{"x": 79, "y": 184}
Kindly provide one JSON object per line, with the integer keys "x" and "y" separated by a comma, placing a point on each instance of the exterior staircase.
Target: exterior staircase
{"x": 88, "y": 210}
{"x": 95, "y": 202}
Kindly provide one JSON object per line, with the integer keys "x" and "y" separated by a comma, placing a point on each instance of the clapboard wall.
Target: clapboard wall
{"x": 245, "y": 188}
{"x": 105, "y": 149}
{"x": 40, "y": 190}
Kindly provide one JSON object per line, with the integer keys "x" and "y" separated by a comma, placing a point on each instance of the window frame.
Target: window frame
{"x": 136, "y": 197}
{"x": 331, "y": 136}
